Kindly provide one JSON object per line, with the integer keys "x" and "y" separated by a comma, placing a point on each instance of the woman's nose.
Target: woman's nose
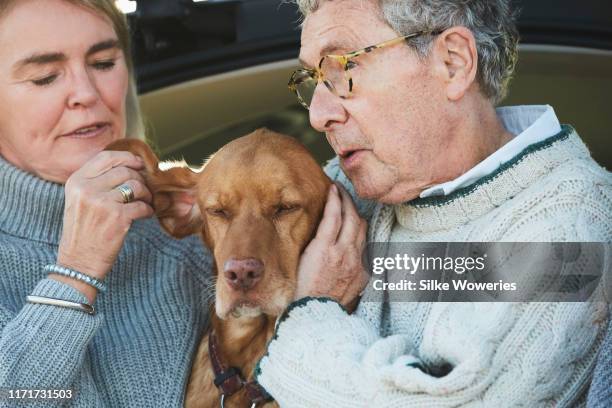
{"x": 83, "y": 91}
{"x": 326, "y": 109}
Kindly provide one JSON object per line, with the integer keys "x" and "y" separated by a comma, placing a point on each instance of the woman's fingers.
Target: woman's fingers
{"x": 141, "y": 192}
{"x": 108, "y": 160}
{"x": 113, "y": 171}
{"x": 137, "y": 210}
{"x": 115, "y": 177}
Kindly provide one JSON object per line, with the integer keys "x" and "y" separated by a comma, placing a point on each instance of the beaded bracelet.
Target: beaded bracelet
{"x": 90, "y": 280}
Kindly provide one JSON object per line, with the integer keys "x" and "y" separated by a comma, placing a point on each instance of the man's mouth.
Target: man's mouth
{"x": 347, "y": 153}
{"x": 350, "y": 157}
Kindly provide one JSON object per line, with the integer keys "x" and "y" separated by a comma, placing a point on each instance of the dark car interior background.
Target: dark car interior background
{"x": 210, "y": 71}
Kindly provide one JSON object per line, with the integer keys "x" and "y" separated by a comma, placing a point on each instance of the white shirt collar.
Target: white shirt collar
{"x": 529, "y": 123}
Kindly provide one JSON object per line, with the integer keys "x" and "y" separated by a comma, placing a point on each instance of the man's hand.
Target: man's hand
{"x": 331, "y": 265}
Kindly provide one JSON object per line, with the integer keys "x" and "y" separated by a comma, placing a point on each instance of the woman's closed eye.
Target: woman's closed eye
{"x": 104, "y": 65}
{"x": 44, "y": 81}
{"x": 101, "y": 65}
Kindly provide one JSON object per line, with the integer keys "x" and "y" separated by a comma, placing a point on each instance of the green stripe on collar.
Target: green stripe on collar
{"x": 566, "y": 131}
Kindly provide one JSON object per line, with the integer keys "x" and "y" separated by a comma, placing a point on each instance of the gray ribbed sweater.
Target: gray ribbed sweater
{"x": 136, "y": 351}
{"x": 600, "y": 395}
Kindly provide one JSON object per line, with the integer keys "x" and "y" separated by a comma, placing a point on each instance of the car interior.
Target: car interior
{"x": 221, "y": 70}
{"x": 192, "y": 120}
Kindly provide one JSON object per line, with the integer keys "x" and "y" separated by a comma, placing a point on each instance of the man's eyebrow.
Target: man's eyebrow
{"x": 335, "y": 48}
{"x": 330, "y": 48}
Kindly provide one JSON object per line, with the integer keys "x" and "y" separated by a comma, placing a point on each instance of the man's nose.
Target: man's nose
{"x": 326, "y": 109}
{"x": 83, "y": 90}
{"x": 243, "y": 274}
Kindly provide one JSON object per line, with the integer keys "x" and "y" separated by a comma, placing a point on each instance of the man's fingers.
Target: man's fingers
{"x": 332, "y": 217}
{"x": 360, "y": 281}
{"x": 351, "y": 222}
{"x": 107, "y": 160}
{"x": 362, "y": 236}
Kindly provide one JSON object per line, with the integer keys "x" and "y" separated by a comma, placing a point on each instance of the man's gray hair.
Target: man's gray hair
{"x": 492, "y": 23}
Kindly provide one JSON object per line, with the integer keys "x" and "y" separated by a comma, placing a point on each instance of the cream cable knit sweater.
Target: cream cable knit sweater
{"x": 502, "y": 354}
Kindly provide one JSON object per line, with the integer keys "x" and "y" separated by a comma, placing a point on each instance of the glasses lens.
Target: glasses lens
{"x": 305, "y": 86}
{"x": 335, "y": 76}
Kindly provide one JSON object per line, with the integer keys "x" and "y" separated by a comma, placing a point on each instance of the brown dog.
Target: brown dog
{"x": 256, "y": 204}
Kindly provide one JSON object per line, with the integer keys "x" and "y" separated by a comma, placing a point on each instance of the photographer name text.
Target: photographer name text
{"x": 410, "y": 265}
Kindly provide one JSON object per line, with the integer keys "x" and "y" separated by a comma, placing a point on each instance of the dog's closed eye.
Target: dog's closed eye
{"x": 219, "y": 212}
{"x": 284, "y": 209}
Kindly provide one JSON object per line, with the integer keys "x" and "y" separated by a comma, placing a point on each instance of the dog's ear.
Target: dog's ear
{"x": 173, "y": 190}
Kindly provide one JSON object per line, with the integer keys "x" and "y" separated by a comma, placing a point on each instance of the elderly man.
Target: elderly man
{"x": 412, "y": 119}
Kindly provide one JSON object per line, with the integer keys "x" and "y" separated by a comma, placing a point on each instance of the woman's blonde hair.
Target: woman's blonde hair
{"x": 134, "y": 123}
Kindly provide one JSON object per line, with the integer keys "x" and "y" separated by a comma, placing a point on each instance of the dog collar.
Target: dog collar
{"x": 229, "y": 380}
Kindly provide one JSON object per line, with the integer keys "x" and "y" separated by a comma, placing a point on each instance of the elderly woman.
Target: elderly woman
{"x": 75, "y": 226}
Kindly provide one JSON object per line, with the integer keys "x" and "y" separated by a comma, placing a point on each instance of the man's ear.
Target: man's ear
{"x": 457, "y": 48}
{"x": 173, "y": 190}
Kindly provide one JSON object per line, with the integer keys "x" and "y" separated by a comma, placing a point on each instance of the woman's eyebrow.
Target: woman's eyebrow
{"x": 52, "y": 57}
{"x": 102, "y": 46}
{"x": 39, "y": 59}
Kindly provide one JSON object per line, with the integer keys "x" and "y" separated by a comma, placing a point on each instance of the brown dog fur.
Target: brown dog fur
{"x": 261, "y": 197}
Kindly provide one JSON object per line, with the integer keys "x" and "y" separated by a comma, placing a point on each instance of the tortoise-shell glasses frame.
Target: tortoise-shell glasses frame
{"x": 303, "y": 81}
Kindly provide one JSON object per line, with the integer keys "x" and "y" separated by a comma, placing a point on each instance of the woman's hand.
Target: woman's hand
{"x": 331, "y": 264}
{"x": 96, "y": 220}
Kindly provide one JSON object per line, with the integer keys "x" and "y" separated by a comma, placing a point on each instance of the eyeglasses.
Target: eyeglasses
{"x": 333, "y": 71}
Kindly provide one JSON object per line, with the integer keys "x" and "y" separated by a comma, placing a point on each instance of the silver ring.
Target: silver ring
{"x": 126, "y": 192}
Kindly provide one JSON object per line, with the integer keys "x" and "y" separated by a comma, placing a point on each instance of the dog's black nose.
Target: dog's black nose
{"x": 243, "y": 274}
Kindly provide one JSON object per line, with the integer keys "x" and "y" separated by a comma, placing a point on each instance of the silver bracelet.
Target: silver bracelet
{"x": 83, "y": 307}
{"x": 71, "y": 273}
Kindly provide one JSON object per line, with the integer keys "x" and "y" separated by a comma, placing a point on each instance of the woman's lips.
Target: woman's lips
{"x": 89, "y": 132}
